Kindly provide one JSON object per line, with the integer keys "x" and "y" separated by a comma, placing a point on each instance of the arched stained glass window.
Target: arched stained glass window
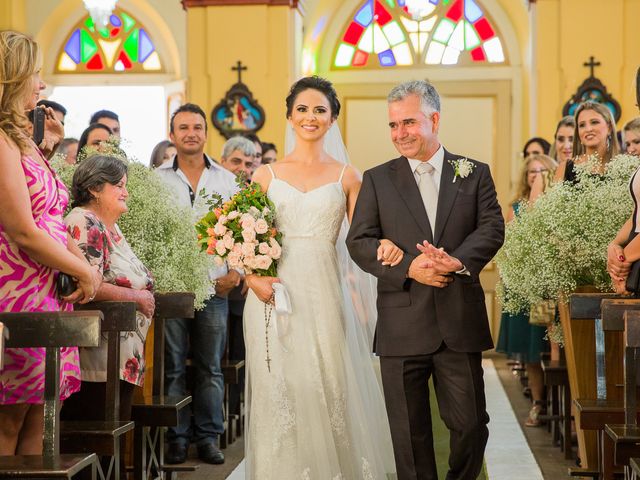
{"x": 382, "y": 33}
{"x": 124, "y": 45}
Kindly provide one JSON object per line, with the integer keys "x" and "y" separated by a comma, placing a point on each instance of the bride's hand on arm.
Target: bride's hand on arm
{"x": 262, "y": 286}
{"x": 389, "y": 254}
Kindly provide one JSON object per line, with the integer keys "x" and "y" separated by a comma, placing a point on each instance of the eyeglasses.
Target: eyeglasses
{"x": 540, "y": 170}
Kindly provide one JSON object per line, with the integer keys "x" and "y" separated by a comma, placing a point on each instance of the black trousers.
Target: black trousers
{"x": 459, "y": 389}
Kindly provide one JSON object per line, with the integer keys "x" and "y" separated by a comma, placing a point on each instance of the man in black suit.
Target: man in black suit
{"x": 441, "y": 209}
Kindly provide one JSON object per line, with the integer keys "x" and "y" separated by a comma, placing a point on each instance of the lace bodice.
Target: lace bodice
{"x": 316, "y": 214}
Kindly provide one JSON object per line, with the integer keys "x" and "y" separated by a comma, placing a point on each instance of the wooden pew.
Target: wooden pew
{"x": 581, "y": 321}
{"x": 595, "y": 413}
{"x": 51, "y": 330}
{"x": 556, "y": 379}
{"x": 104, "y": 437}
{"x": 234, "y": 421}
{"x": 159, "y": 410}
{"x": 621, "y": 442}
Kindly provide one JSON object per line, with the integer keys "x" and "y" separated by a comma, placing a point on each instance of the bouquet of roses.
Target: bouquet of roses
{"x": 242, "y": 231}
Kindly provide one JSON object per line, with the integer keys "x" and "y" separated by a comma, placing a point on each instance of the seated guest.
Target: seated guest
{"x": 69, "y": 148}
{"x": 519, "y": 339}
{"x": 99, "y": 191}
{"x": 162, "y": 152}
{"x": 269, "y": 153}
{"x": 594, "y": 135}
{"x": 93, "y": 136}
{"x": 58, "y": 110}
{"x": 108, "y": 118}
{"x": 34, "y": 247}
{"x": 632, "y": 136}
{"x": 562, "y": 147}
{"x": 238, "y": 156}
{"x": 536, "y": 146}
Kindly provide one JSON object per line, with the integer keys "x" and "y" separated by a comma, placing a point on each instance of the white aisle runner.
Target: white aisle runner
{"x": 508, "y": 456}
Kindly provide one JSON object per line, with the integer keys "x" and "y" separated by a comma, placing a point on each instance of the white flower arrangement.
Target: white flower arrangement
{"x": 462, "y": 167}
{"x": 561, "y": 242}
{"x": 160, "y": 233}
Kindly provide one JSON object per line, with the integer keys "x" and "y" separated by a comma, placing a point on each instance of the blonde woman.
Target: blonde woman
{"x": 631, "y": 133}
{"x": 518, "y": 338}
{"x": 34, "y": 242}
{"x": 594, "y": 135}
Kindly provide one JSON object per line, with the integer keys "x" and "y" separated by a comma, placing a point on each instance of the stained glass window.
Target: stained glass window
{"x": 123, "y": 45}
{"x": 382, "y": 33}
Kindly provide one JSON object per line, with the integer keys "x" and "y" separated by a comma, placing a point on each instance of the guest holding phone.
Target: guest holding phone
{"x": 34, "y": 246}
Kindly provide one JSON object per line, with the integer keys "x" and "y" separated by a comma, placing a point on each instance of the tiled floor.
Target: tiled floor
{"x": 513, "y": 452}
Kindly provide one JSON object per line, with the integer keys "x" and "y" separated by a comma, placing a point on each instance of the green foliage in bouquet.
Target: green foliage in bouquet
{"x": 561, "y": 242}
{"x": 160, "y": 233}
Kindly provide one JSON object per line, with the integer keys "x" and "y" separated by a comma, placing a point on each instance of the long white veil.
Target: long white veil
{"x": 359, "y": 298}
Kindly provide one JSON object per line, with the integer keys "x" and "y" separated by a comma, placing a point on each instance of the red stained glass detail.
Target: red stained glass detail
{"x": 455, "y": 12}
{"x": 95, "y": 63}
{"x": 484, "y": 29}
{"x": 383, "y": 16}
{"x": 115, "y": 31}
{"x": 360, "y": 59}
{"x": 353, "y": 34}
{"x": 124, "y": 58}
{"x": 478, "y": 55}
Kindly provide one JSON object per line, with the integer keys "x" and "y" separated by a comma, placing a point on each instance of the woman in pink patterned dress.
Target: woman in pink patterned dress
{"x": 33, "y": 248}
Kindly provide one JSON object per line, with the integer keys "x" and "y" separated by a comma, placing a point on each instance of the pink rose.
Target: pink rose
{"x": 234, "y": 260}
{"x": 263, "y": 262}
{"x": 222, "y": 219}
{"x": 233, "y": 215}
{"x": 220, "y": 248}
{"x": 248, "y": 249}
{"x": 249, "y": 235}
{"x": 228, "y": 241}
{"x": 266, "y": 211}
{"x": 263, "y": 248}
{"x": 219, "y": 229}
{"x": 247, "y": 222}
{"x": 250, "y": 263}
{"x": 261, "y": 226}
{"x": 237, "y": 248}
{"x": 276, "y": 249}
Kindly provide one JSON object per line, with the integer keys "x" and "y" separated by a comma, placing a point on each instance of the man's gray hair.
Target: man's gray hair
{"x": 427, "y": 93}
{"x": 246, "y": 146}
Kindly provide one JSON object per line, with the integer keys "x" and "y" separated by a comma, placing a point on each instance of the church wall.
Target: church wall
{"x": 262, "y": 38}
{"x": 568, "y": 33}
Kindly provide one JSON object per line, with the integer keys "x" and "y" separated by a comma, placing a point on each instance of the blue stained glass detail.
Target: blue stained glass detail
{"x": 145, "y": 46}
{"x": 72, "y": 48}
{"x": 472, "y": 10}
{"x": 387, "y": 59}
{"x": 115, "y": 21}
{"x": 435, "y": 2}
{"x": 365, "y": 15}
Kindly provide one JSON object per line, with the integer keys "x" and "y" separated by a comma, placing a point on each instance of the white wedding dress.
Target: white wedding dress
{"x": 319, "y": 413}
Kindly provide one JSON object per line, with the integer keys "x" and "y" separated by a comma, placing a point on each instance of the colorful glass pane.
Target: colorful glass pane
{"x": 122, "y": 45}
{"x": 443, "y": 32}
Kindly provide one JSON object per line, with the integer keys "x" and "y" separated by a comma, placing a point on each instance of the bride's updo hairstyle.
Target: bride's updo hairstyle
{"x": 314, "y": 83}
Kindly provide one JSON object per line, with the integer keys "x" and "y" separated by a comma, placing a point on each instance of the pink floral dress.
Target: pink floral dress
{"x": 28, "y": 286}
{"x": 119, "y": 266}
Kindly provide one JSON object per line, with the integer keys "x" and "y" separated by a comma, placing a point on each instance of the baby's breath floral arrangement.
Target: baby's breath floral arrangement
{"x": 561, "y": 242}
{"x": 160, "y": 233}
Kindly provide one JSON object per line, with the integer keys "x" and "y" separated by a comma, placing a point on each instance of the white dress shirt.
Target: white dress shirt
{"x": 214, "y": 179}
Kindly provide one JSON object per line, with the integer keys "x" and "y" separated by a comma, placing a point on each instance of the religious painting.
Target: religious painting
{"x": 238, "y": 112}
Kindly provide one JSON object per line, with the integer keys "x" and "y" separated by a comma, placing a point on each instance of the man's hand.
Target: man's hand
{"x": 420, "y": 272}
{"x": 227, "y": 283}
{"x": 438, "y": 259}
{"x": 617, "y": 265}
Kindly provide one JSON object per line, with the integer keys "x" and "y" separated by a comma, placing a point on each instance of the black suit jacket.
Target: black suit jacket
{"x": 414, "y": 319}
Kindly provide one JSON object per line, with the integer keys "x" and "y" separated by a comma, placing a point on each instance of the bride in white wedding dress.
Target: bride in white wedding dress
{"x": 315, "y": 410}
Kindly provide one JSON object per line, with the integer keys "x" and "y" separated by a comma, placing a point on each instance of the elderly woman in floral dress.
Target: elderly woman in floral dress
{"x": 99, "y": 199}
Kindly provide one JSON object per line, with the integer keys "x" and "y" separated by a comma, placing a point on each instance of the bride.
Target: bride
{"x": 315, "y": 408}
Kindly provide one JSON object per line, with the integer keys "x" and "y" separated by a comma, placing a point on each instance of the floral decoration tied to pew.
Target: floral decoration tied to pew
{"x": 559, "y": 244}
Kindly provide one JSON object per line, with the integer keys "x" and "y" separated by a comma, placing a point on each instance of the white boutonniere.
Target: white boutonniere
{"x": 461, "y": 168}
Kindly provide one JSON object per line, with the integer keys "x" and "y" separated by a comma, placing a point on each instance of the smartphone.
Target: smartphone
{"x": 38, "y": 125}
